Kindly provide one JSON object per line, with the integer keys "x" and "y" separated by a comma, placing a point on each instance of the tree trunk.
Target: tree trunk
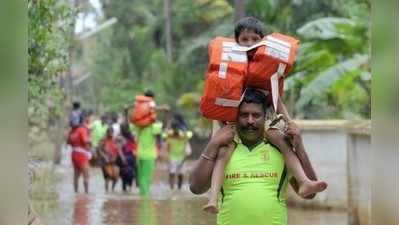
{"x": 168, "y": 31}
{"x": 239, "y": 7}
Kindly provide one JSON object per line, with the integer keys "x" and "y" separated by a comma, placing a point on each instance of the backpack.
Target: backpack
{"x": 224, "y": 80}
{"x": 144, "y": 111}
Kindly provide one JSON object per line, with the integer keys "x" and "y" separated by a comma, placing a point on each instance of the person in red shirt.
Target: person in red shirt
{"x": 108, "y": 150}
{"x": 79, "y": 139}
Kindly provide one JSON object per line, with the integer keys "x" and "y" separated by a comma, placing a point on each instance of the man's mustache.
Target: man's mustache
{"x": 250, "y": 127}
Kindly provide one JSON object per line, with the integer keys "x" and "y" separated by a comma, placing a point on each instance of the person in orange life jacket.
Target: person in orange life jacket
{"x": 249, "y": 31}
{"x": 149, "y": 139}
{"x": 108, "y": 150}
{"x": 79, "y": 139}
{"x": 150, "y": 93}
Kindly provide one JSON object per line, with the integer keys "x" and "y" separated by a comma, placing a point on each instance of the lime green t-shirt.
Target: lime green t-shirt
{"x": 97, "y": 132}
{"x": 254, "y": 187}
{"x": 146, "y": 148}
{"x": 177, "y": 144}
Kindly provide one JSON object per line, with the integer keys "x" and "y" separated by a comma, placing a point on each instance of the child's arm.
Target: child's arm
{"x": 281, "y": 109}
{"x": 292, "y": 128}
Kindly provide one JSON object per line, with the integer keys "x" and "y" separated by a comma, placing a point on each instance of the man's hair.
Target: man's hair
{"x": 255, "y": 96}
{"x": 76, "y": 105}
{"x": 114, "y": 117}
{"x": 149, "y": 93}
{"x": 248, "y": 23}
{"x": 125, "y": 131}
{"x": 178, "y": 119}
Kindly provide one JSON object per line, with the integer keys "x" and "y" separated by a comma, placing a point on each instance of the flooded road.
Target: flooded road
{"x": 165, "y": 207}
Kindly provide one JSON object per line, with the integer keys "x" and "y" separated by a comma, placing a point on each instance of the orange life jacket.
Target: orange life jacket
{"x": 274, "y": 57}
{"x": 229, "y": 73}
{"x": 144, "y": 111}
{"x": 224, "y": 80}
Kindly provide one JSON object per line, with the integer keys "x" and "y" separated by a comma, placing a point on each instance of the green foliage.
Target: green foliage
{"x": 328, "y": 81}
{"x": 130, "y": 57}
{"x": 50, "y": 29}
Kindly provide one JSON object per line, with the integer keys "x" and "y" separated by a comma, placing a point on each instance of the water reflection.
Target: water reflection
{"x": 147, "y": 212}
{"x": 80, "y": 212}
{"x": 163, "y": 208}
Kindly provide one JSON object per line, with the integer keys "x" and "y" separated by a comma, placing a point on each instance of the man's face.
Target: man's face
{"x": 248, "y": 38}
{"x": 251, "y": 120}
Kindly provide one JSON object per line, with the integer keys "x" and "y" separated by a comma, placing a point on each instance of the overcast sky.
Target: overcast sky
{"x": 90, "y": 21}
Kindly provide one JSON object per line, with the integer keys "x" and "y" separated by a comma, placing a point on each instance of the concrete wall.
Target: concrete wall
{"x": 327, "y": 152}
{"x": 340, "y": 153}
{"x": 359, "y": 180}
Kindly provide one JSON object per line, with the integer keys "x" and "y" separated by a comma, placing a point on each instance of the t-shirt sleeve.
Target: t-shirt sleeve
{"x": 157, "y": 128}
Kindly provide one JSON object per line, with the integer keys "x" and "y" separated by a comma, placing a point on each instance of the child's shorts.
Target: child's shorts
{"x": 176, "y": 167}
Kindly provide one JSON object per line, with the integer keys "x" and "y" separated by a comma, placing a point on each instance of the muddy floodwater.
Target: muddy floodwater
{"x": 164, "y": 207}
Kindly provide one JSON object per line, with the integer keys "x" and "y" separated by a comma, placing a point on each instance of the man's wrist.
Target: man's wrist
{"x": 211, "y": 150}
{"x": 209, "y": 158}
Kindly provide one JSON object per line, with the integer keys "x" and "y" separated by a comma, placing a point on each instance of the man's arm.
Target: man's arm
{"x": 200, "y": 177}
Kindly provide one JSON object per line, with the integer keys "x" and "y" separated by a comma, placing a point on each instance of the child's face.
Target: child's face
{"x": 248, "y": 38}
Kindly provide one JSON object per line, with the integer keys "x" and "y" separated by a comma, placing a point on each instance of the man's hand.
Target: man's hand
{"x": 224, "y": 136}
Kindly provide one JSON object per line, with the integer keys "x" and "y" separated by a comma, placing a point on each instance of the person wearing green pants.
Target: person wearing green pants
{"x": 147, "y": 153}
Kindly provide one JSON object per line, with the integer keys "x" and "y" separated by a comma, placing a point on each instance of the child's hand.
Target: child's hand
{"x": 294, "y": 132}
{"x": 224, "y": 136}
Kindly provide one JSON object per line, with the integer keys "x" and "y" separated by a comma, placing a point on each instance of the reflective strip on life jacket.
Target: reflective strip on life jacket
{"x": 222, "y": 70}
{"x": 227, "y": 102}
{"x": 229, "y": 54}
{"x": 274, "y": 83}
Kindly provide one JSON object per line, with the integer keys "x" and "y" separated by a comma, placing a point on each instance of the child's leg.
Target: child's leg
{"x": 306, "y": 186}
{"x": 76, "y": 175}
{"x": 217, "y": 179}
{"x": 171, "y": 180}
{"x": 179, "y": 181}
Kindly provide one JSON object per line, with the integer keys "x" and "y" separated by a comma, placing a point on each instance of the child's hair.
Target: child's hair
{"x": 248, "y": 23}
{"x": 149, "y": 93}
